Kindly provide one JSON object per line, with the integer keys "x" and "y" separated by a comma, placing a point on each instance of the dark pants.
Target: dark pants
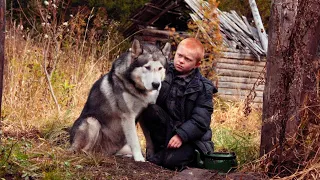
{"x": 161, "y": 129}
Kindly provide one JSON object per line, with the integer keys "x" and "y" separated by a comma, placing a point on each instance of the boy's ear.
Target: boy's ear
{"x": 198, "y": 63}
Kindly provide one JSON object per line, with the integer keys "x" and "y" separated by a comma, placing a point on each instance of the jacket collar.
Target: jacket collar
{"x": 195, "y": 83}
{"x": 193, "y": 86}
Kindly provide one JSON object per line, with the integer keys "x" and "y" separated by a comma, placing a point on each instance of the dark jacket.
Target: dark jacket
{"x": 196, "y": 109}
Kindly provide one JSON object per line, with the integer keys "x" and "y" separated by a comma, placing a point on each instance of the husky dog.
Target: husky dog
{"x": 107, "y": 121}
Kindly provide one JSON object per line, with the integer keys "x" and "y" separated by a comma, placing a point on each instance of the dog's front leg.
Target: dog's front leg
{"x": 149, "y": 144}
{"x": 130, "y": 131}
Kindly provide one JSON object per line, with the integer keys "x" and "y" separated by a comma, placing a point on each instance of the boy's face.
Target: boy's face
{"x": 185, "y": 59}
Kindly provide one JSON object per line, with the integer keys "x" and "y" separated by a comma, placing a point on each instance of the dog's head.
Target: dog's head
{"x": 148, "y": 63}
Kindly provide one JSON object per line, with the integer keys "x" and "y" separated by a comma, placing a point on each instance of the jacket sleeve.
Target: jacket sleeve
{"x": 195, "y": 127}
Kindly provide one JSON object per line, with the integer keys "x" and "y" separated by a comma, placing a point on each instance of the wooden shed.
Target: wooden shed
{"x": 240, "y": 67}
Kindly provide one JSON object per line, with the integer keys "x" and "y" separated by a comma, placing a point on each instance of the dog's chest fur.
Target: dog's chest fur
{"x": 125, "y": 102}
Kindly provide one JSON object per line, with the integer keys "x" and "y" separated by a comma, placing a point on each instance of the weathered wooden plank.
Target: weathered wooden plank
{"x": 225, "y": 23}
{"x": 237, "y": 73}
{"x": 241, "y": 62}
{"x": 237, "y": 92}
{"x": 155, "y": 18}
{"x": 242, "y": 67}
{"x": 226, "y": 49}
{"x": 230, "y": 35}
{"x": 224, "y": 18}
{"x": 238, "y": 56}
{"x": 253, "y": 44}
{"x": 259, "y": 25}
{"x": 195, "y": 6}
{"x": 236, "y": 79}
{"x": 240, "y": 98}
{"x": 231, "y": 24}
{"x": 148, "y": 31}
{"x": 235, "y": 18}
{"x": 242, "y": 86}
{"x": 239, "y": 20}
{"x": 161, "y": 9}
{"x": 245, "y": 20}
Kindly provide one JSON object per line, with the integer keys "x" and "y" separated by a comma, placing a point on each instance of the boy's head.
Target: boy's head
{"x": 188, "y": 56}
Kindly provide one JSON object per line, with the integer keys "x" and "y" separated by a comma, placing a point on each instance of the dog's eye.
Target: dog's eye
{"x": 147, "y": 67}
{"x": 160, "y": 68}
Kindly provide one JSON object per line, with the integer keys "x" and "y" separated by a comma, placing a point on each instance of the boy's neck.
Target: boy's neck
{"x": 185, "y": 74}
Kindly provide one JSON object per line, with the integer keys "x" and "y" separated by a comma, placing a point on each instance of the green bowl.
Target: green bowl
{"x": 222, "y": 162}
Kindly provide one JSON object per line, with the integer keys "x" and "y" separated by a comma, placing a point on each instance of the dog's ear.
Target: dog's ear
{"x": 167, "y": 50}
{"x": 136, "y": 49}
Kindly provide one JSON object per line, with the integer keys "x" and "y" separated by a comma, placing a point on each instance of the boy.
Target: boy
{"x": 179, "y": 122}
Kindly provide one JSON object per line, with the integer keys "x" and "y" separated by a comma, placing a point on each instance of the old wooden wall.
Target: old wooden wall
{"x": 237, "y": 73}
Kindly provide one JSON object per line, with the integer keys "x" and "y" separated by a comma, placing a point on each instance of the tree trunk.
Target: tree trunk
{"x": 2, "y": 38}
{"x": 291, "y": 76}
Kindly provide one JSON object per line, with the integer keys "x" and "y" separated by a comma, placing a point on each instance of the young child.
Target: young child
{"x": 179, "y": 122}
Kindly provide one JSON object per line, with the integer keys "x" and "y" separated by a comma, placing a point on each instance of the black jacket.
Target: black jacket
{"x": 196, "y": 109}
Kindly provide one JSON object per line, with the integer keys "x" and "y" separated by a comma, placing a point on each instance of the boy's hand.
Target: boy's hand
{"x": 175, "y": 142}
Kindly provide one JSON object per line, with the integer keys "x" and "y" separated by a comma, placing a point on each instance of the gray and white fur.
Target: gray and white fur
{"x": 107, "y": 121}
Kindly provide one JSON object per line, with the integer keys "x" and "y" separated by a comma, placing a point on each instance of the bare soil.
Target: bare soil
{"x": 127, "y": 168}
{"x": 112, "y": 167}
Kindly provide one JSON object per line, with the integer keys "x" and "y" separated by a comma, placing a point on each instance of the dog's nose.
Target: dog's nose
{"x": 155, "y": 85}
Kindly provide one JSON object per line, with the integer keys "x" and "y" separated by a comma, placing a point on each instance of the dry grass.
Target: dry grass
{"x": 233, "y": 131}
{"x": 28, "y": 102}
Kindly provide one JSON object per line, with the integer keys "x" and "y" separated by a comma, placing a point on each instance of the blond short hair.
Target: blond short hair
{"x": 196, "y": 45}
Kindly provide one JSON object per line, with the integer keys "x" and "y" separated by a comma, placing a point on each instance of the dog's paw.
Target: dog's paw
{"x": 139, "y": 158}
{"x": 124, "y": 155}
{"x": 71, "y": 150}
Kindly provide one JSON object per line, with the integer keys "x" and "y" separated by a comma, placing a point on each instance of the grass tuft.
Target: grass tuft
{"x": 234, "y": 132}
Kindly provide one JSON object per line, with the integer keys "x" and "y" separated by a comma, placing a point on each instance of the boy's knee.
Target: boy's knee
{"x": 171, "y": 161}
{"x": 179, "y": 158}
{"x": 175, "y": 163}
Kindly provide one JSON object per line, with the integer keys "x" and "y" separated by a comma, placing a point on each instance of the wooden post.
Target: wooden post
{"x": 2, "y": 38}
{"x": 259, "y": 25}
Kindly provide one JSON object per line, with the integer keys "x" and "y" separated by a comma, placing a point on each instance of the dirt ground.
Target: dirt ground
{"x": 127, "y": 168}
{"x": 112, "y": 167}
